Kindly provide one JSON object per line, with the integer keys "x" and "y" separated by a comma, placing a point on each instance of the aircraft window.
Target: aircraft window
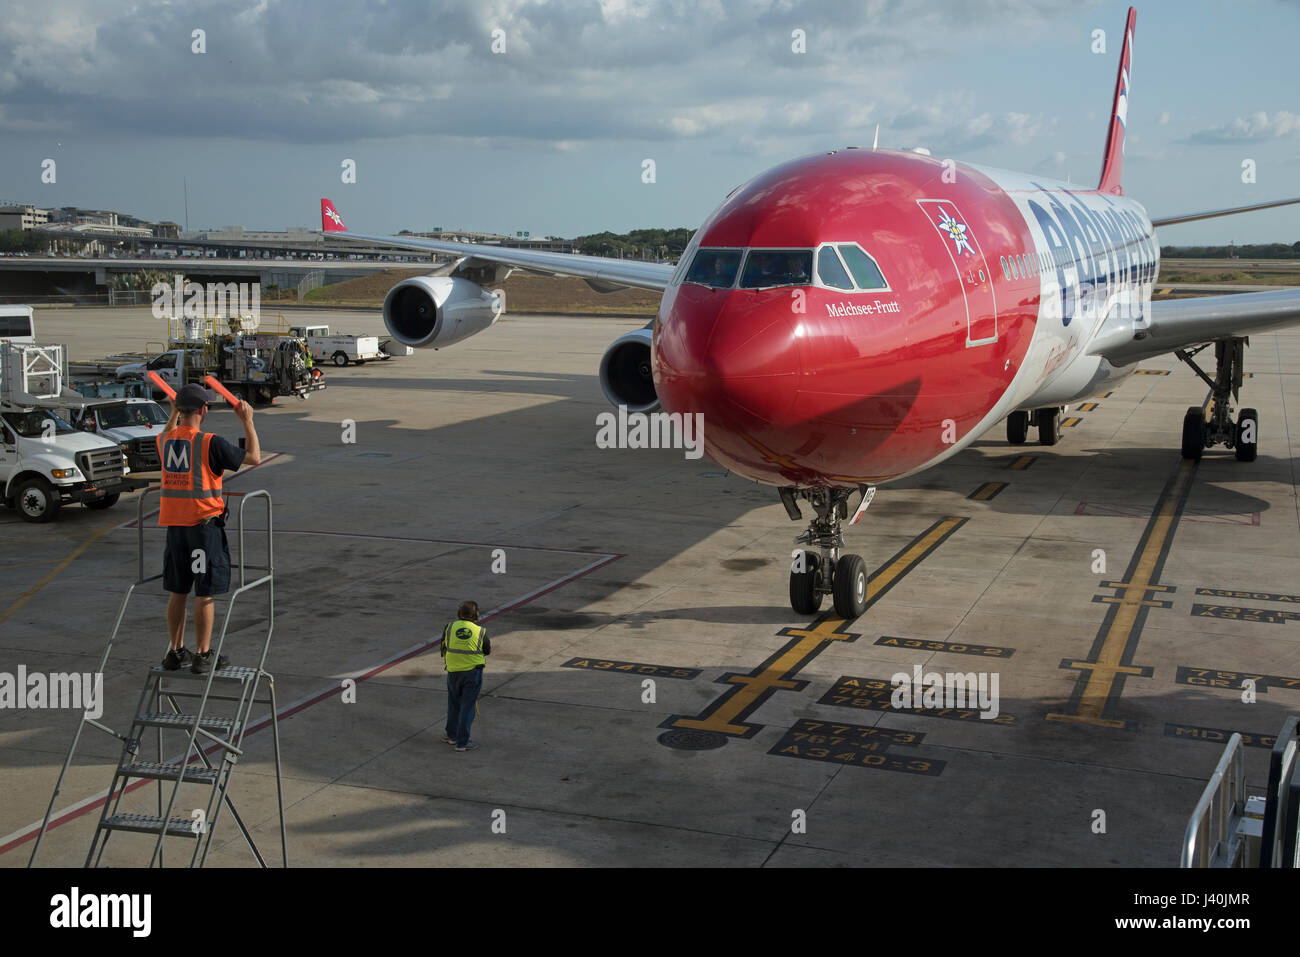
{"x": 777, "y": 267}
{"x": 1024, "y": 265}
{"x": 715, "y": 268}
{"x": 830, "y": 271}
{"x": 1006, "y": 270}
{"x": 865, "y": 271}
{"x": 1015, "y": 273}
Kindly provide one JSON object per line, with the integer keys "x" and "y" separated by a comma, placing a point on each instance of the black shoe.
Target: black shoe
{"x": 177, "y": 658}
{"x": 203, "y": 662}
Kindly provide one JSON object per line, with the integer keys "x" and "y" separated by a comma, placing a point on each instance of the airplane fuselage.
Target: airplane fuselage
{"x": 979, "y": 293}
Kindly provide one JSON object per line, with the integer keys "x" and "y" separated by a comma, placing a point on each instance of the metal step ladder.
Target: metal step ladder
{"x": 213, "y": 743}
{"x": 1230, "y": 829}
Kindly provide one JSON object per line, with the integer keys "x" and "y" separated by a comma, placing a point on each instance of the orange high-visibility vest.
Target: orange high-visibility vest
{"x": 191, "y": 491}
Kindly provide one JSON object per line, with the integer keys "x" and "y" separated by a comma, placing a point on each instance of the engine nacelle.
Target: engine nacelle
{"x": 437, "y": 311}
{"x": 625, "y": 372}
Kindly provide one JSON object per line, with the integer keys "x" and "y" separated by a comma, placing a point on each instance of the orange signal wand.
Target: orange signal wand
{"x": 162, "y": 384}
{"x": 221, "y": 390}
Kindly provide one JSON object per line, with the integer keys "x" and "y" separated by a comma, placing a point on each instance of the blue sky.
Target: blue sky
{"x": 550, "y": 134}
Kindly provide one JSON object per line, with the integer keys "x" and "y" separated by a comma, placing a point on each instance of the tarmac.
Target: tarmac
{"x": 651, "y": 699}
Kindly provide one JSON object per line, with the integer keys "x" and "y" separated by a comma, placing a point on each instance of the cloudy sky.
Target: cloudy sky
{"x": 549, "y": 131}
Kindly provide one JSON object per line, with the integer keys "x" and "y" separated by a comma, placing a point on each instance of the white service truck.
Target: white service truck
{"x": 338, "y": 349}
{"x": 16, "y": 325}
{"x": 134, "y": 424}
{"x": 44, "y": 461}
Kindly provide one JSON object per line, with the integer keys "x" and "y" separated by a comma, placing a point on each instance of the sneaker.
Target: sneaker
{"x": 177, "y": 658}
{"x": 448, "y": 739}
{"x": 203, "y": 662}
{"x": 469, "y": 746}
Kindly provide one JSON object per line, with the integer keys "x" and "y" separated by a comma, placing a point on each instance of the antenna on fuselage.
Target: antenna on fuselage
{"x": 875, "y": 140}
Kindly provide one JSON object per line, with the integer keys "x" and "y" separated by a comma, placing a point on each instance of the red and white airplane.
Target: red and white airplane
{"x": 857, "y": 316}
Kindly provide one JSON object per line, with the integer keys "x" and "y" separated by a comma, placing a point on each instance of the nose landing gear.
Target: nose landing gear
{"x": 818, "y": 568}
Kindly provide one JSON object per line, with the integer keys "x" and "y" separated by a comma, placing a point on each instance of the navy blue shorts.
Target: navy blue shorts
{"x": 180, "y": 560}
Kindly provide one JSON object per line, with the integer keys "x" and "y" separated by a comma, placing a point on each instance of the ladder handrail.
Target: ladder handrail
{"x": 1199, "y": 847}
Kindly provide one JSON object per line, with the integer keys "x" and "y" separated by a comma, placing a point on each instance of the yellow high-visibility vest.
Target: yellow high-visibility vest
{"x": 463, "y": 642}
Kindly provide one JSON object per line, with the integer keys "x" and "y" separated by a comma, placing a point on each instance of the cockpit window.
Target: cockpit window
{"x": 865, "y": 271}
{"x": 831, "y": 271}
{"x": 777, "y": 267}
{"x": 715, "y": 268}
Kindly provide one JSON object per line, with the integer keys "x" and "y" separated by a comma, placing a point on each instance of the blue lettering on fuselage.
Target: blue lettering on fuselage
{"x": 1094, "y": 252}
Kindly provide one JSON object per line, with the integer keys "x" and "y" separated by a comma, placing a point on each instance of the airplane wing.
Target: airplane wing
{"x": 597, "y": 270}
{"x": 1210, "y": 214}
{"x": 1179, "y": 323}
{"x": 601, "y": 273}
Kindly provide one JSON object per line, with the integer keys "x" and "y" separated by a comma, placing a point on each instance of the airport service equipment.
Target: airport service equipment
{"x": 340, "y": 349}
{"x": 254, "y": 366}
{"x": 44, "y": 461}
{"x": 233, "y": 689}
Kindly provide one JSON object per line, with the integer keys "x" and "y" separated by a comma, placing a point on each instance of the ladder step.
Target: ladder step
{"x": 228, "y": 673}
{"x": 148, "y": 824}
{"x": 170, "y": 772}
{"x": 153, "y": 719}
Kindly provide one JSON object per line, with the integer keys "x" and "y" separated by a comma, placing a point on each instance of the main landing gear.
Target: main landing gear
{"x": 1048, "y": 422}
{"x": 819, "y": 569}
{"x": 1198, "y": 433}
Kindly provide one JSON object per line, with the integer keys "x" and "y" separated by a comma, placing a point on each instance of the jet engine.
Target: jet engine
{"x": 437, "y": 311}
{"x": 625, "y": 372}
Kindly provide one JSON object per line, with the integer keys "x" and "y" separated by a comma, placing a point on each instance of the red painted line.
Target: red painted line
{"x": 290, "y": 710}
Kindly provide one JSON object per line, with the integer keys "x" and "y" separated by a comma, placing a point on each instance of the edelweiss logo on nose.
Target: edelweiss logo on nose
{"x": 956, "y": 231}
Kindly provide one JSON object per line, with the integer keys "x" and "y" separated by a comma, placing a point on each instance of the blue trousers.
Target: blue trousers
{"x": 462, "y": 693}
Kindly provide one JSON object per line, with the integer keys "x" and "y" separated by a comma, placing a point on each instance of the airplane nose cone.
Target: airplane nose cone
{"x": 731, "y": 356}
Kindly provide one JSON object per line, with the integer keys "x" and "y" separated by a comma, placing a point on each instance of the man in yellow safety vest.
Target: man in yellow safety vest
{"x": 465, "y": 646}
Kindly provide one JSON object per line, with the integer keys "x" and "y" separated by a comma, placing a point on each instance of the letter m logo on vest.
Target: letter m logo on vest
{"x": 176, "y": 455}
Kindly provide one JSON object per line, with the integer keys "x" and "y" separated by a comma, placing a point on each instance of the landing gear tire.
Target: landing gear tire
{"x": 340, "y": 359}
{"x": 1049, "y": 425}
{"x": 1017, "y": 428}
{"x": 36, "y": 501}
{"x": 1247, "y": 428}
{"x": 108, "y": 501}
{"x": 850, "y": 586}
{"x": 805, "y": 599}
{"x": 1193, "y": 433}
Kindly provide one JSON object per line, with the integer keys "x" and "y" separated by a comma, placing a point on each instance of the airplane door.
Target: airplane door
{"x": 969, "y": 267}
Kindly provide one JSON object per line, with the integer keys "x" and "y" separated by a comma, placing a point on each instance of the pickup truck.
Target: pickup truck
{"x": 338, "y": 349}
{"x": 45, "y": 463}
{"x": 134, "y": 424}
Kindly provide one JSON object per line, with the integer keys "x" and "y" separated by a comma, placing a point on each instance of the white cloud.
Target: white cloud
{"x": 1250, "y": 128}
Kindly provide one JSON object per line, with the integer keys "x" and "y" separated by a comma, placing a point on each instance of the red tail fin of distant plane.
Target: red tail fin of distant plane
{"x": 1113, "y": 167}
{"x": 330, "y": 220}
